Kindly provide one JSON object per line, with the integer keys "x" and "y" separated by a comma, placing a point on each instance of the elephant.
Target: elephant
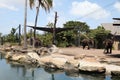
{"x": 37, "y": 42}
{"x": 87, "y": 42}
{"x": 108, "y": 43}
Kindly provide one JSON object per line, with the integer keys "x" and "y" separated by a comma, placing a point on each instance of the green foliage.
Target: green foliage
{"x": 99, "y": 35}
{"x": 46, "y": 39}
{"x": 50, "y": 25}
{"x": 66, "y": 38}
{"x": 11, "y": 37}
{"x": 70, "y": 37}
{"x": 83, "y": 27}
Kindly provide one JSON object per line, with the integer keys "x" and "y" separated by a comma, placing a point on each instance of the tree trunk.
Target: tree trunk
{"x": 36, "y": 19}
{"x": 25, "y": 21}
{"x": 54, "y": 29}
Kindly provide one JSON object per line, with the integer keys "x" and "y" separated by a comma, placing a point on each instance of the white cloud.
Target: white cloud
{"x": 8, "y": 7}
{"x": 117, "y": 6}
{"x": 88, "y": 9}
{"x": 57, "y": 3}
{"x": 11, "y": 4}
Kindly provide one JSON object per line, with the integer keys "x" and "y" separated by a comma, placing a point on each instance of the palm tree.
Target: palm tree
{"x": 45, "y": 4}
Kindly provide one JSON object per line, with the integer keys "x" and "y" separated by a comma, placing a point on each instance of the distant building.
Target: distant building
{"x": 115, "y": 30}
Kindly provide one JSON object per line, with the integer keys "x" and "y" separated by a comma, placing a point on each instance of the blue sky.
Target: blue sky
{"x": 93, "y": 12}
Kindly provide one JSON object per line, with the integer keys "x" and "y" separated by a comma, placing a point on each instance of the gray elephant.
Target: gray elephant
{"x": 37, "y": 42}
{"x": 87, "y": 42}
{"x": 108, "y": 43}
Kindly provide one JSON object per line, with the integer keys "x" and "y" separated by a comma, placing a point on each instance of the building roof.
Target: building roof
{"x": 114, "y": 29}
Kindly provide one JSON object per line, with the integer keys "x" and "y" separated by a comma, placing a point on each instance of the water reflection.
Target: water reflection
{"x": 22, "y": 70}
{"x": 1, "y": 56}
{"x": 16, "y": 71}
{"x": 115, "y": 78}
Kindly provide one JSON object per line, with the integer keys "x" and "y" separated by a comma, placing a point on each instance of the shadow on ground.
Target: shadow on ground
{"x": 114, "y": 55}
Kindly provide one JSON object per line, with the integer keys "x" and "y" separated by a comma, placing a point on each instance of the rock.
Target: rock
{"x": 74, "y": 72}
{"x": 94, "y": 67}
{"x": 42, "y": 51}
{"x": 115, "y": 73}
{"x": 54, "y": 49}
{"x": 45, "y": 59}
{"x": 17, "y": 57}
{"x": 33, "y": 55}
{"x": 28, "y": 60}
{"x": 112, "y": 69}
{"x": 71, "y": 68}
{"x": 8, "y": 55}
{"x": 72, "y": 64}
{"x": 53, "y": 62}
{"x": 59, "y": 62}
{"x": 7, "y": 49}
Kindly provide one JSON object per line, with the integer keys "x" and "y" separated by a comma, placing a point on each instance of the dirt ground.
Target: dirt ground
{"x": 95, "y": 52}
{"x": 76, "y": 51}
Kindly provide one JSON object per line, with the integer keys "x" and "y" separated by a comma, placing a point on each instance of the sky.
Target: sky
{"x": 93, "y": 12}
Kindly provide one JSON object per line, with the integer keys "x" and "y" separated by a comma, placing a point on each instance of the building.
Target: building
{"x": 115, "y": 30}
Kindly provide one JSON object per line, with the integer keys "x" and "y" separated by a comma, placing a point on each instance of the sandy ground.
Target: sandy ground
{"x": 76, "y": 51}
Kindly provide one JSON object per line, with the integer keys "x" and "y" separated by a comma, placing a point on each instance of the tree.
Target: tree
{"x": 79, "y": 27}
{"x": 72, "y": 37}
{"x": 12, "y": 36}
{"x": 45, "y": 4}
{"x": 82, "y": 26}
{"x": 99, "y": 34}
{"x": 50, "y": 25}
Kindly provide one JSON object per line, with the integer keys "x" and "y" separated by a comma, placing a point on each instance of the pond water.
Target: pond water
{"x": 10, "y": 71}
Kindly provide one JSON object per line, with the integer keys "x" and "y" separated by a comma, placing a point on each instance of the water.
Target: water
{"x": 10, "y": 71}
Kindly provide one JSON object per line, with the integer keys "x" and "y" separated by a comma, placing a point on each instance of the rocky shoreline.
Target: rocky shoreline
{"x": 54, "y": 58}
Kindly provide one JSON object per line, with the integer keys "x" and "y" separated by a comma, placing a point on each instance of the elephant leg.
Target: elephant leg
{"x": 111, "y": 50}
{"x": 83, "y": 46}
{"x": 88, "y": 47}
{"x": 107, "y": 50}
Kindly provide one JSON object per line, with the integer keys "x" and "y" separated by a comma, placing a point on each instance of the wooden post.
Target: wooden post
{"x": 78, "y": 36}
{"x": 54, "y": 29}
{"x": 19, "y": 34}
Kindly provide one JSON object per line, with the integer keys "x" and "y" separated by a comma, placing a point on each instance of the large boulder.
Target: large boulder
{"x": 59, "y": 62}
{"x": 113, "y": 70}
{"x": 44, "y": 60}
{"x": 33, "y": 55}
{"x": 95, "y": 67}
{"x": 17, "y": 57}
{"x": 53, "y": 62}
